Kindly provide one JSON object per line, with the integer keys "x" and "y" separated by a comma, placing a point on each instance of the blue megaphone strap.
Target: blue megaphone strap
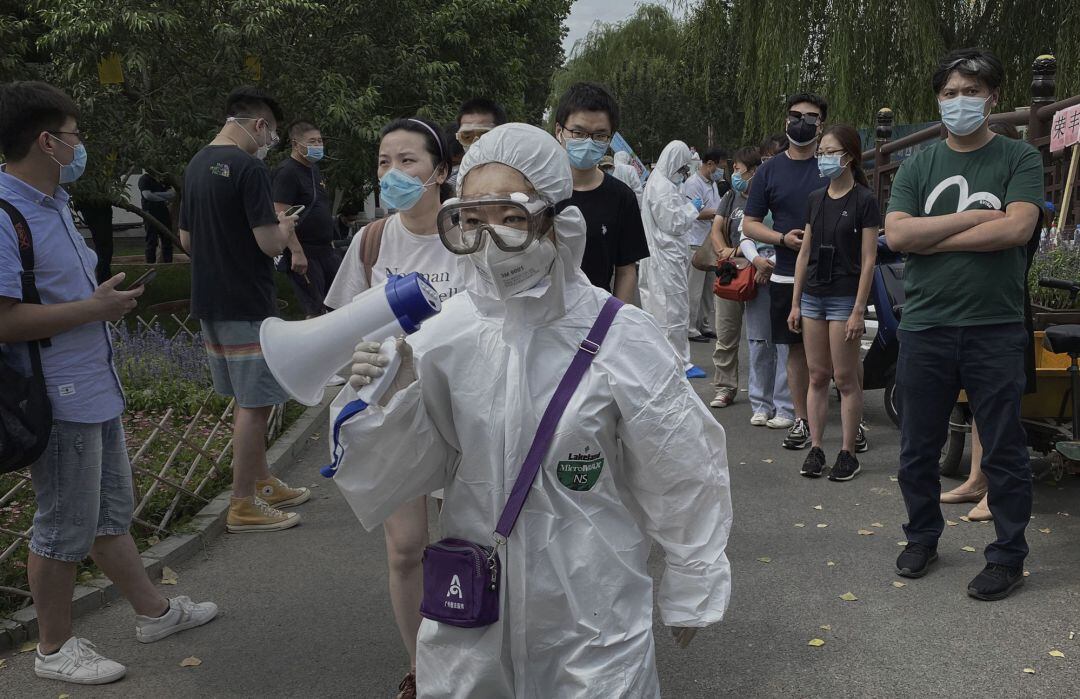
{"x": 351, "y": 408}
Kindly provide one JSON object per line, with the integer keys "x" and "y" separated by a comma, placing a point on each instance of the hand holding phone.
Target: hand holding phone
{"x": 295, "y": 210}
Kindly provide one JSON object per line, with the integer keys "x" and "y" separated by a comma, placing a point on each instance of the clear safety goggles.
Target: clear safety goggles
{"x": 468, "y": 135}
{"x": 513, "y": 222}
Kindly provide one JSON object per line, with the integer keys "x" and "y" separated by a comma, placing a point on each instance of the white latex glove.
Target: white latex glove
{"x": 683, "y": 635}
{"x": 368, "y": 364}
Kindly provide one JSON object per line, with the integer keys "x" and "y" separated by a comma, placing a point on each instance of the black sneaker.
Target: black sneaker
{"x": 798, "y": 437}
{"x": 915, "y": 561}
{"x": 861, "y": 445}
{"x": 845, "y": 468}
{"x": 996, "y": 582}
{"x": 814, "y": 463}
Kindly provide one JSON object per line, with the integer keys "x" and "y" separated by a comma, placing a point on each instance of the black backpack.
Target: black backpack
{"x": 25, "y": 411}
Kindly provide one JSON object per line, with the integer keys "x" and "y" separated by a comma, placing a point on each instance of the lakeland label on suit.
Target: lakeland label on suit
{"x": 580, "y": 471}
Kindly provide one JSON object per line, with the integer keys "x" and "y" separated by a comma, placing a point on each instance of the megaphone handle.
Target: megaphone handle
{"x": 371, "y": 393}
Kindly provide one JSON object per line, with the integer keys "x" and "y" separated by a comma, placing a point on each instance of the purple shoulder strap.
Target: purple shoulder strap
{"x": 544, "y": 433}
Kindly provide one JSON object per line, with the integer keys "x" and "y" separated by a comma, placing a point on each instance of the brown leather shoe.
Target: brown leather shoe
{"x": 407, "y": 688}
{"x": 981, "y": 512}
{"x": 963, "y": 494}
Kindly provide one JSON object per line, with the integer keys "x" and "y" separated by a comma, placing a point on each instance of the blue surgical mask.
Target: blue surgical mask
{"x": 73, "y": 170}
{"x": 829, "y": 165}
{"x": 314, "y": 153}
{"x": 400, "y": 191}
{"x": 717, "y": 175}
{"x": 963, "y": 115}
{"x": 738, "y": 183}
{"x": 584, "y": 153}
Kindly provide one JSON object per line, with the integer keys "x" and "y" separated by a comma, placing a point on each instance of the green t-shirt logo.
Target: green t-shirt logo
{"x": 964, "y": 200}
{"x": 580, "y": 471}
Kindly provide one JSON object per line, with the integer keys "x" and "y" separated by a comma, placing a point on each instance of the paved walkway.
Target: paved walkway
{"x": 306, "y": 612}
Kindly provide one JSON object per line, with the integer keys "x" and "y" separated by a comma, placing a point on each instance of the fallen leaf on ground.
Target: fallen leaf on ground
{"x": 1056, "y": 654}
{"x": 894, "y": 479}
{"x": 765, "y": 559}
{"x": 830, "y": 563}
{"x": 1063, "y": 514}
{"x": 800, "y": 525}
{"x": 826, "y": 627}
{"x": 880, "y": 491}
{"x": 865, "y": 532}
{"x": 897, "y": 584}
{"x": 1045, "y": 530}
{"x": 153, "y": 540}
{"x": 901, "y": 543}
{"x": 817, "y": 507}
{"x": 768, "y": 461}
{"x": 965, "y": 518}
{"x": 1027, "y": 574}
{"x": 742, "y": 463}
{"x": 64, "y": 696}
{"x": 816, "y": 642}
{"x": 1072, "y": 634}
{"x": 1029, "y": 670}
{"x": 86, "y": 576}
{"x": 952, "y": 523}
{"x": 190, "y": 662}
{"x": 969, "y": 549}
{"x": 28, "y": 646}
{"x": 3, "y": 663}
{"x": 169, "y": 576}
{"x": 822, "y": 525}
{"x": 849, "y": 597}
{"x": 879, "y": 525}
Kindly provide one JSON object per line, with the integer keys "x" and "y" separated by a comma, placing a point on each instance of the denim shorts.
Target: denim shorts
{"x": 827, "y": 307}
{"x": 83, "y": 488}
{"x": 237, "y": 365}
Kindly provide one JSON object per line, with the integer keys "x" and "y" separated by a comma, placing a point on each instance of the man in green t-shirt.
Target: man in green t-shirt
{"x": 965, "y": 209}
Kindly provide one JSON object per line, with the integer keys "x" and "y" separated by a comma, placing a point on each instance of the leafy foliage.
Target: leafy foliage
{"x": 348, "y": 65}
{"x": 731, "y": 63}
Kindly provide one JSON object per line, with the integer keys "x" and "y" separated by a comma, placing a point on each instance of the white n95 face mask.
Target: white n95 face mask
{"x": 511, "y": 273}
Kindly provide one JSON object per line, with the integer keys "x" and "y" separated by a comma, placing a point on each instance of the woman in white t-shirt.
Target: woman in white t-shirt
{"x": 414, "y": 163}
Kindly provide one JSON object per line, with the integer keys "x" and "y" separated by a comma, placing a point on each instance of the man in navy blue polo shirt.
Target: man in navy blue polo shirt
{"x": 83, "y": 480}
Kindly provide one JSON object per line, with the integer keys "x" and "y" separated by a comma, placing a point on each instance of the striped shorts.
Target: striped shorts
{"x": 237, "y": 365}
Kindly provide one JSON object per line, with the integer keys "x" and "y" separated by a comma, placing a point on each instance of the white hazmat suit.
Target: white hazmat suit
{"x": 628, "y": 174}
{"x": 668, "y": 217}
{"x": 576, "y": 596}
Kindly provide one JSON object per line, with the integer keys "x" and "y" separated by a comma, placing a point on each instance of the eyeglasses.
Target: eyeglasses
{"x": 601, "y": 137}
{"x": 77, "y": 134}
{"x": 808, "y": 117}
{"x": 472, "y": 134}
{"x": 513, "y": 222}
{"x": 830, "y": 152}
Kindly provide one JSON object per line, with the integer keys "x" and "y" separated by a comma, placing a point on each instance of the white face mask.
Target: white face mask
{"x": 510, "y": 273}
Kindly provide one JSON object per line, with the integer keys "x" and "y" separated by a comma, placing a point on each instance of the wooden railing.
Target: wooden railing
{"x": 1035, "y": 118}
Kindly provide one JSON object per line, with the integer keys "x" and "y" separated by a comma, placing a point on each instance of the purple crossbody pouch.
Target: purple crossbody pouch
{"x": 462, "y": 578}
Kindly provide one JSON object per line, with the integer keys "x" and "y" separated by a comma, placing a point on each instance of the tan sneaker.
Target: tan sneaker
{"x": 276, "y": 493}
{"x": 251, "y": 514}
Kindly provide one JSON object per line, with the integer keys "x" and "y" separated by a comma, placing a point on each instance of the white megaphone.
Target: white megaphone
{"x": 304, "y": 354}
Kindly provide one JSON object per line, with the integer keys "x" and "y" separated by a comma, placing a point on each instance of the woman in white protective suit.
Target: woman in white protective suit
{"x": 668, "y": 216}
{"x": 576, "y": 598}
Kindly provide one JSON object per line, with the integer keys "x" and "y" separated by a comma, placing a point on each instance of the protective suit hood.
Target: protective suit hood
{"x": 544, "y": 163}
{"x": 622, "y": 157}
{"x": 675, "y": 156}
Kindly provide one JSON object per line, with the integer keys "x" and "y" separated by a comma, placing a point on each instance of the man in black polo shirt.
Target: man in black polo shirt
{"x": 310, "y": 260}
{"x": 585, "y": 121}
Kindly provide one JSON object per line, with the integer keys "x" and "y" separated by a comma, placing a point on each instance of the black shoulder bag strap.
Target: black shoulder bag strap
{"x": 29, "y": 288}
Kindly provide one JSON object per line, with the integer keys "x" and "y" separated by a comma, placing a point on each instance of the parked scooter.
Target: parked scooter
{"x": 887, "y": 291}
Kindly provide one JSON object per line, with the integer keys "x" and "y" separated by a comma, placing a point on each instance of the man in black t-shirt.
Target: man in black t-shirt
{"x": 230, "y": 230}
{"x": 585, "y": 121}
{"x": 155, "y": 201}
{"x": 310, "y": 259}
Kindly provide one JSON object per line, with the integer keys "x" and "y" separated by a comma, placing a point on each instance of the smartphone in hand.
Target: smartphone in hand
{"x": 295, "y": 210}
{"x": 144, "y": 280}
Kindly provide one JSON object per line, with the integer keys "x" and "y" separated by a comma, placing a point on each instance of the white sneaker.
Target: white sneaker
{"x": 759, "y": 420}
{"x": 79, "y": 663}
{"x": 183, "y": 614}
{"x": 780, "y": 423}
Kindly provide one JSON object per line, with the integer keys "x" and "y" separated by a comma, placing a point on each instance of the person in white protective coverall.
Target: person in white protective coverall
{"x": 668, "y": 216}
{"x": 628, "y": 174}
{"x": 576, "y": 595}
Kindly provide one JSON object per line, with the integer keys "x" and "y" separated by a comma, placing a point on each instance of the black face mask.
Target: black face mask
{"x": 801, "y": 133}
